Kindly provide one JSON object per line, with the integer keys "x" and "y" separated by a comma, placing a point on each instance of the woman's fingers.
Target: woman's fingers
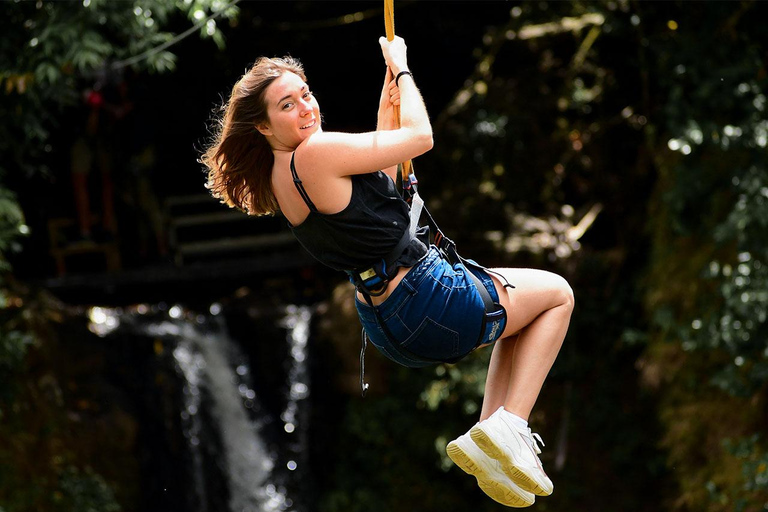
{"x": 388, "y": 79}
{"x": 394, "y": 93}
{"x": 387, "y": 83}
{"x": 394, "y": 52}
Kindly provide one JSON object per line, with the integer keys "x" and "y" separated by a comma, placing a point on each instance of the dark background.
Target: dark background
{"x": 626, "y": 154}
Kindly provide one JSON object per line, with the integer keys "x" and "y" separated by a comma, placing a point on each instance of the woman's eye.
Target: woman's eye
{"x": 308, "y": 94}
{"x": 286, "y": 106}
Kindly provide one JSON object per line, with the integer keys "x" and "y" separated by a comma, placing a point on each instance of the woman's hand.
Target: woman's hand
{"x": 394, "y": 90}
{"x": 390, "y": 98}
{"x": 395, "y": 54}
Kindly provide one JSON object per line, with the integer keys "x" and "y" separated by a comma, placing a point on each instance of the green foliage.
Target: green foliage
{"x": 49, "y": 47}
{"x": 54, "y": 41}
{"x": 547, "y": 128}
{"x": 461, "y": 385}
{"x": 13, "y": 349}
{"x": 718, "y": 192}
{"x": 598, "y": 130}
{"x": 84, "y": 491}
{"x": 706, "y": 296}
{"x": 12, "y": 227}
{"x": 383, "y": 461}
{"x": 71, "y": 445}
{"x": 47, "y": 52}
{"x": 652, "y": 111}
{"x": 13, "y": 341}
{"x": 754, "y": 475}
{"x": 740, "y": 326}
{"x": 71, "y": 489}
{"x": 755, "y": 469}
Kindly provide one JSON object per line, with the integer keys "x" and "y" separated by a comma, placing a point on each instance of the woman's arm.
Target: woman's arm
{"x": 390, "y": 97}
{"x": 343, "y": 154}
{"x": 413, "y": 112}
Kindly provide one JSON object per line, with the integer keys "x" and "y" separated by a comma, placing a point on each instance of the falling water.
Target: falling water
{"x": 192, "y": 364}
{"x": 297, "y": 322}
{"x": 216, "y": 375}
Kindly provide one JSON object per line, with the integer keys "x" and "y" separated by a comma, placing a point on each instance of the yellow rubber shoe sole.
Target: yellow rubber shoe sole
{"x": 493, "y": 489}
{"x": 487, "y": 444}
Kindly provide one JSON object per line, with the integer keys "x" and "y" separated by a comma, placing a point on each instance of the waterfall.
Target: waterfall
{"x": 297, "y": 322}
{"x": 191, "y": 364}
{"x": 216, "y": 376}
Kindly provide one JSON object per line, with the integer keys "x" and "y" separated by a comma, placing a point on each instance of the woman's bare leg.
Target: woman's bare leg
{"x": 538, "y": 313}
{"x": 497, "y": 383}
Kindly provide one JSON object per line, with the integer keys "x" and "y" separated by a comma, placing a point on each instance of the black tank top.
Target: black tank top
{"x": 364, "y": 232}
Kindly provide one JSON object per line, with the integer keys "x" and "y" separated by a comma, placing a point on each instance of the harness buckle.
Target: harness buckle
{"x": 407, "y": 185}
{"x": 372, "y": 281}
{"x": 447, "y": 247}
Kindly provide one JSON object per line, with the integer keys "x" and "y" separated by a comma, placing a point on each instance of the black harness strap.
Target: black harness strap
{"x": 300, "y": 186}
{"x": 373, "y": 280}
{"x": 494, "y": 312}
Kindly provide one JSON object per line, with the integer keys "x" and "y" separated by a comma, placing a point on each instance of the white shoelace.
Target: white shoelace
{"x": 532, "y": 438}
{"x": 535, "y": 440}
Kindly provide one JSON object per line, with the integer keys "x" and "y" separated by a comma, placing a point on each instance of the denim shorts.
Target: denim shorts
{"x": 435, "y": 314}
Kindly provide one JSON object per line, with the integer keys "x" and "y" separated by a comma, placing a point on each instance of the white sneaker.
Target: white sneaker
{"x": 491, "y": 479}
{"x": 516, "y": 449}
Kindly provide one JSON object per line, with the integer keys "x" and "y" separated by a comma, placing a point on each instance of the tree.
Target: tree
{"x": 628, "y": 107}
{"x": 706, "y": 298}
{"x": 48, "y": 48}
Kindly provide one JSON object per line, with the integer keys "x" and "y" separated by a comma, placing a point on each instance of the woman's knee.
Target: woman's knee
{"x": 565, "y": 292}
{"x": 559, "y": 291}
{"x": 536, "y": 291}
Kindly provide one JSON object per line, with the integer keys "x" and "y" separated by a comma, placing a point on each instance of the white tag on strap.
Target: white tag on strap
{"x": 416, "y": 205}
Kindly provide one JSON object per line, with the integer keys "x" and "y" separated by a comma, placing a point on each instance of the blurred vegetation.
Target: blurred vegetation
{"x": 707, "y": 284}
{"x": 47, "y": 50}
{"x": 621, "y": 144}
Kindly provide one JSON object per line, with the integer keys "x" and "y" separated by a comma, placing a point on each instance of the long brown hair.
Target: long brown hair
{"x": 239, "y": 158}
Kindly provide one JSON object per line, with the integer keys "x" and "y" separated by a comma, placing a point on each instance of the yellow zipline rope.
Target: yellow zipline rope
{"x": 389, "y": 19}
{"x": 406, "y": 168}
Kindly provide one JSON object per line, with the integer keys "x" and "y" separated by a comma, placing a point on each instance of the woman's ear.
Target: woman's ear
{"x": 264, "y": 129}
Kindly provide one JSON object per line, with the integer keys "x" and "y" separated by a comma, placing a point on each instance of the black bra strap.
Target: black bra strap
{"x": 300, "y": 187}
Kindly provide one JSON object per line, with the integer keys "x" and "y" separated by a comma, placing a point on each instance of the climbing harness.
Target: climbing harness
{"x": 378, "y": 278}
{"x": 372, "y": 281}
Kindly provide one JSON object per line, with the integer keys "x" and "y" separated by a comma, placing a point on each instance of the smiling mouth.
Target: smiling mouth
{"x": 308, "y": 125}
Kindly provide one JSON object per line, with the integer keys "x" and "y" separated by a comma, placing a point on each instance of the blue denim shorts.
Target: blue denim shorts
{"x": 435, "y": 314}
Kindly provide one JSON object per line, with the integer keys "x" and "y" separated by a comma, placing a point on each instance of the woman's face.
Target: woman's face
{"x": 292, "y": 110}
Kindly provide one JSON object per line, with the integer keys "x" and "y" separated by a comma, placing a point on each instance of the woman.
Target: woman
{"x": 337, "y": 192}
